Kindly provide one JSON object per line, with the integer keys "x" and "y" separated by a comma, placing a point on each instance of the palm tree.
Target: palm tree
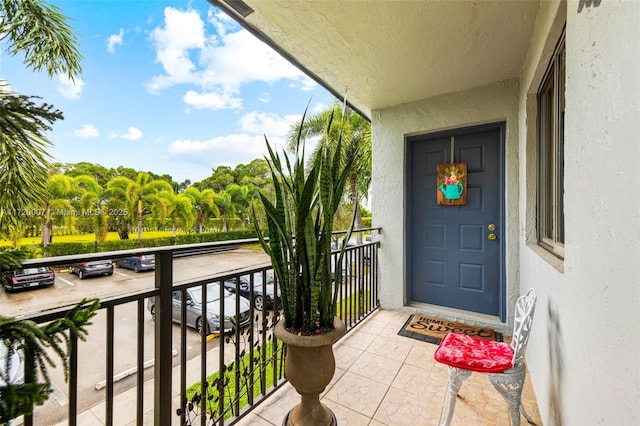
{"x": 58, "y": 190}
{"x": 356, "y": 141}
{"x": 93, "y": 201}
{"x": 48, "y": 43}
{"x": 178, "y": 208}
{"x": 241, "y": 197}
{"x": 203, "y": 203}
{"x": 225, "y": 206}
{"x": 118, "y": 201}
{"x": 42, "y": 34}
{"x": 13, "y": 234}
{"x": 144, "y": 190}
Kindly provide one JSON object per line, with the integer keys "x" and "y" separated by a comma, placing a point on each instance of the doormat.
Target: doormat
{"x": 432, "y": 330}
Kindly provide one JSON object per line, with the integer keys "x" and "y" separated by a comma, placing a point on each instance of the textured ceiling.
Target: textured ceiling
{"x": 385, "y": 53}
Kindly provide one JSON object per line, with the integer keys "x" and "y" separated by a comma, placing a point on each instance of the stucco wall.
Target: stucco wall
{"x": 584, "y": 355}
{"x": 494, "y": 103}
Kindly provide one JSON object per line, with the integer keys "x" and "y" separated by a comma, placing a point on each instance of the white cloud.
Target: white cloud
{"x": 271, "y": 125}
{"x": 230, "y": 150}
{"x": 69, "y": 88}
{"x": 114, "y": 40}
{"x": 241, "y": 58}
{"x": 133, "y": 134}
{"x": 236, "y": 142}
{"x": 5, "y": 86}
{"x": 308, "y": 84}
{"x": 182, "y": 32}
{"x": 87, "y": 131}
{"x": 218, "y": 62}
{"x": 237, "y": 148}
{"x": 320, "y": 107}
{"x": 211, "y": 100}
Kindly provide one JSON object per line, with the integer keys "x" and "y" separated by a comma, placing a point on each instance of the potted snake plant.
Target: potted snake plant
{"x": 299, "y": 224}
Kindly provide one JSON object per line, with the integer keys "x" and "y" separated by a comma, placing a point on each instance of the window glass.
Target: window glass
{"x": 551, "y": 106}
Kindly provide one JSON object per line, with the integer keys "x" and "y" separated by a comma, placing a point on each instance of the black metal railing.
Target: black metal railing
{"x": 227, "y": 368}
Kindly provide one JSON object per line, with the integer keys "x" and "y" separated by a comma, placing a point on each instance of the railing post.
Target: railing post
{"x": 163, "y": 345}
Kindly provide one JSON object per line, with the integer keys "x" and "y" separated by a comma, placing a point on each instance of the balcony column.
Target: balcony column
{"x": 163, "y": 344}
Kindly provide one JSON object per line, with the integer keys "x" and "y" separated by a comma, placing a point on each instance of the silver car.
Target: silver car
{"x": 194, "y": 309}
{"x": 11, "y": 365}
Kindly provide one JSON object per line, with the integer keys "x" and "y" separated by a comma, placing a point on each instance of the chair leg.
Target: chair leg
{"x": 456, "y": 377}
{"x": 510, "y": 384}
{"x": 526, "y": 415}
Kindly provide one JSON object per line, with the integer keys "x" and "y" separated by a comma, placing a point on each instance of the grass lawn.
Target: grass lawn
{"x": 88, "y": 238}
{"x": 263, "y": 375}
{"x": 351, "y": 303}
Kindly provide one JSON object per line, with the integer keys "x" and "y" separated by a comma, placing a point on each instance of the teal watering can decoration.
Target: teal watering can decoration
{"x": 452, "y": 191}
{"x": 452, "y": 179}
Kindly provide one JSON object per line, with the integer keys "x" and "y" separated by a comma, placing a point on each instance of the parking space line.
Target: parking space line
{"x": 59, "y": 395}
{"x": 120, "y": 273}
{"x": 66, "y": 281}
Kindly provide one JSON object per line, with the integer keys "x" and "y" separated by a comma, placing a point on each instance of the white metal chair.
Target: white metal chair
{"x": 503, "y": 363}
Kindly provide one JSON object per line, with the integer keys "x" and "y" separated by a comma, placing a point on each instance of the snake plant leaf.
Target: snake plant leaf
{"x": 299, "y": 221}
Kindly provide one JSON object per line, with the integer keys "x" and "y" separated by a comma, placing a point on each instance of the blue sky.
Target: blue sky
{"x": 172, "y": 87}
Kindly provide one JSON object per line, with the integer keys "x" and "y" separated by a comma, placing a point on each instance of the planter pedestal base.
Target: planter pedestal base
{"x": 291, "y": 415}
{"x": 309, "y": 366}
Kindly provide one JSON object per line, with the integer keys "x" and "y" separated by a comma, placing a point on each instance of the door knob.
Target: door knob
{"x": 491, "y": 227}
{"x": 492, "y": 237}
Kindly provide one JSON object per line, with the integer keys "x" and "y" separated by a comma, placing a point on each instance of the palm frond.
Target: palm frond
{"x": 32, "y": 340}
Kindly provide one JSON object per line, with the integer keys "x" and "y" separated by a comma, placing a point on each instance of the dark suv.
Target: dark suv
{"x": 137, "y": 263}
{"x": 28, "y": 278}
{"x": 261, "y": 300}
{"x": 93, "y": 268}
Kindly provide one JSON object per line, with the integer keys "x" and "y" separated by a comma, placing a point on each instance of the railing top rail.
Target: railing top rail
{"x": 378, "y": 228}
{"x": 175, "y": 249}
{"x": 179, "y": 285}
{"x": 183, "y": 249}
{"x": 60, "y": 311}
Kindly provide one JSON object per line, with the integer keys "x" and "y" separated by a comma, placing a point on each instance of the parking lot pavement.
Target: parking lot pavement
{"x": 69, "y": 289}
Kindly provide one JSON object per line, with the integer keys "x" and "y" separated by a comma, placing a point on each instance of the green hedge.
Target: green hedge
{"x": 209, "y": 237}
{"x": 366, "y": 222}
{"x": 65, "y": 249}
{"x": 233, "y": 224}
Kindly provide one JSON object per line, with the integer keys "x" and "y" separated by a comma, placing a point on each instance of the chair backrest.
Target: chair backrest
{"x": 525, "y": 306}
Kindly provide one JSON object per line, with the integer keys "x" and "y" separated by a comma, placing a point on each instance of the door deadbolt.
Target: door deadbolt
{"x": 492, "y": 237}
{"x": 491, "y": 227}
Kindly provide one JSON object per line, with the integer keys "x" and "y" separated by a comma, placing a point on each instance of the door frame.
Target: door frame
{"x": 410, "y": 140}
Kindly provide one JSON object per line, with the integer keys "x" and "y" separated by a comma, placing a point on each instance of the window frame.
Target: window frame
{"x": 550, "y": 139}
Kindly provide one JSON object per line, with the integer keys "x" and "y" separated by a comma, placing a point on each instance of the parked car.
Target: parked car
{"x": 11, "y": 365}
{"x": 93, "y": 268}
{"x": 137, "y": 263}
{"x": 260, "y": 299}
{"x": 346, "y": 260}
{"x": 28, "y": 278}
{"x": 351, "y": 255}
{"x": 194, "y": 309}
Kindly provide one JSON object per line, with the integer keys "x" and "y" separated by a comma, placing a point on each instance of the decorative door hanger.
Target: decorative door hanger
{"x": 452, "y": 184}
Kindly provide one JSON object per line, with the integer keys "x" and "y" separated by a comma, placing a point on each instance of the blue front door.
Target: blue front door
{"x": 455, "y": 253}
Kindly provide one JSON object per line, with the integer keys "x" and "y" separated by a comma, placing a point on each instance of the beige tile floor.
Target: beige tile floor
{"x": 385, "y": 379}
{"x": 381, "y": 379}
